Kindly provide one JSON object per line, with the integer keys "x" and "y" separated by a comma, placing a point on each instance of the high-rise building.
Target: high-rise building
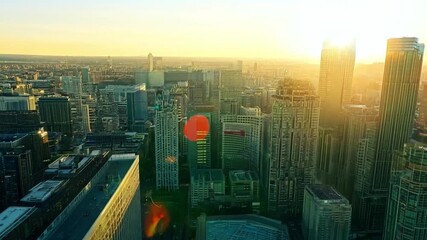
{"x": 335, "y": 79}
{"x": 357, "y": 120}
{"x": 328, "y": 154}
{"x": 56, "y": 112}
{"x": 294, "y": 136}
{"x": 109, "y": 207}
{"x": 85, "y": 75}
{"x": 85, "y": 118}
{"x": 326, "y": 214}
{"x": 19, "y": 121}
{"x": 137, "y": 108}
{"x": 206, "y": 184}
{"x": 407, "y": 199}
{"x": 400, "y": 85}
{"x": 150, "y": 62}
{"x": 199, "y": 151}
{"x": 72, "y": 85}
{"x": 242, "y": 142}
{"x": 22, "y": 157}
{"x": 166, "y": 145}
{"x": 17, "y": 103}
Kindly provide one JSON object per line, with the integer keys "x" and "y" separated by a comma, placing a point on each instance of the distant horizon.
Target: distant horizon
{"x": 271, "y": 29}
{"x": 312, "y": 61}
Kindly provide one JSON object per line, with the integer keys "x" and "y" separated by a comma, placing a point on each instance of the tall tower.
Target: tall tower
{"x": 85, "y": 74}
{"x": 406, "y": 204}
{"x": 166, "y": 145}
{"x": 396, "y": 118}
{"x": 335, "y": 80}
{"x": 150, "y": 62}
{"x": 294, "y": 136}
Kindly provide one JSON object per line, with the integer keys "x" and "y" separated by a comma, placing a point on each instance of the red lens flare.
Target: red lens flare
{"x": 196, "y": 128}
{"x": 156, "y": 221}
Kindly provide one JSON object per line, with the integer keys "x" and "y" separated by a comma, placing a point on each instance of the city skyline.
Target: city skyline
{"x": 246, "y": 29}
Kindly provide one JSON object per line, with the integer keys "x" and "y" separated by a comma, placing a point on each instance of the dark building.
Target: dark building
{"x": 19, "y": 121}
{"x": 69, "y": 175}
{"x": 22, "y": 164}
{"x": 56, "y": 112}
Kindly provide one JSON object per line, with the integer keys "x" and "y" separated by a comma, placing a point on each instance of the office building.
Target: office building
{"x": 357, "y": 120}
{"x": 242, "y": 141}
{"x": 19, "y": 121}
{"x": 150, "y": 59}
{"x": 326, "y": 214}
{"x": 405, "y": 218}
{"x": 199, "y": 151}
{"x": 85, "y": 75}
{"x": 13, "y": 217}
{"x": 137, "y": 106}
{"x": 205, "y": 184}
{"x": 17, "y": 103}
{"x": 335, "y": 80}
{"x": 85, "y": 118}
{"x": 293, "y": 147}
{"x": 166, "y": 145}
{"x": 244, "y": 186}
{"x": 240, "y": 227}
{"x": 56, "y": 112}
{"x": 109, "y": 207}
{"x": 72, "y": 85}
{"x": 400, "y": 85}
{"x": 328, "y": 155}
{"x": 22, "y": 162}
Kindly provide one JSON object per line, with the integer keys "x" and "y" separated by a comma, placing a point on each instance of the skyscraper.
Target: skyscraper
{"x": 199, "y": 151}
{"x": 150, "y": 62}
{"x": 396, "y": 118}
{"x": 137, "y": 108}
{"x": 242, "y": 142}
{"x": 326, "y": 214}
{"x": 335, "y": 80}
{"x": 294, "y": 136}
{"x": 405, "y": 218}
{"x": 56, "y": 112}
{"x": 85, "y": 75}
{"x": 166, "y": 145}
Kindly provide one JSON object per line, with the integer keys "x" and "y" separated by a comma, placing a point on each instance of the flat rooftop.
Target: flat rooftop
{"x": 11, "y": 217}
{"x": 325, "y": 193}
{"x": 209, "y": 175}
{"x": 80, "y": 219}
{"x": 42, "y": 191}
{"x": 248, "y": 226}
{"x": 240, "y": 175}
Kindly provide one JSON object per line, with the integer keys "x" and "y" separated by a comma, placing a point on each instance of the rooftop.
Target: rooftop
{"x": 209, "y": 174}
{"x": 80, "y": 219}
{"x": 42, "y": 191}
{"x": 248, "y": 226}
{"x": 13, "y": 216}
{"x": 326, "y": 193}
{"x": 240, "y": 175}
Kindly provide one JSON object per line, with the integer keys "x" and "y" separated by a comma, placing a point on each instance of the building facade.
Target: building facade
{"x": 294, "y": 136}
{"x": 326, "y": 214}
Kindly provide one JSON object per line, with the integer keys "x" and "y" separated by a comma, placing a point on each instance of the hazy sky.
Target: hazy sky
{"x": 287, "y": 29}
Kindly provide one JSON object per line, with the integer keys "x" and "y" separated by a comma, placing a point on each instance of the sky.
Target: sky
{"x": 282, "y": 29}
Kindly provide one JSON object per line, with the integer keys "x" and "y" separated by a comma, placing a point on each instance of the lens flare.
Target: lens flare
{"x": 156, "y": 221}
{"x": 197, "y": 128}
